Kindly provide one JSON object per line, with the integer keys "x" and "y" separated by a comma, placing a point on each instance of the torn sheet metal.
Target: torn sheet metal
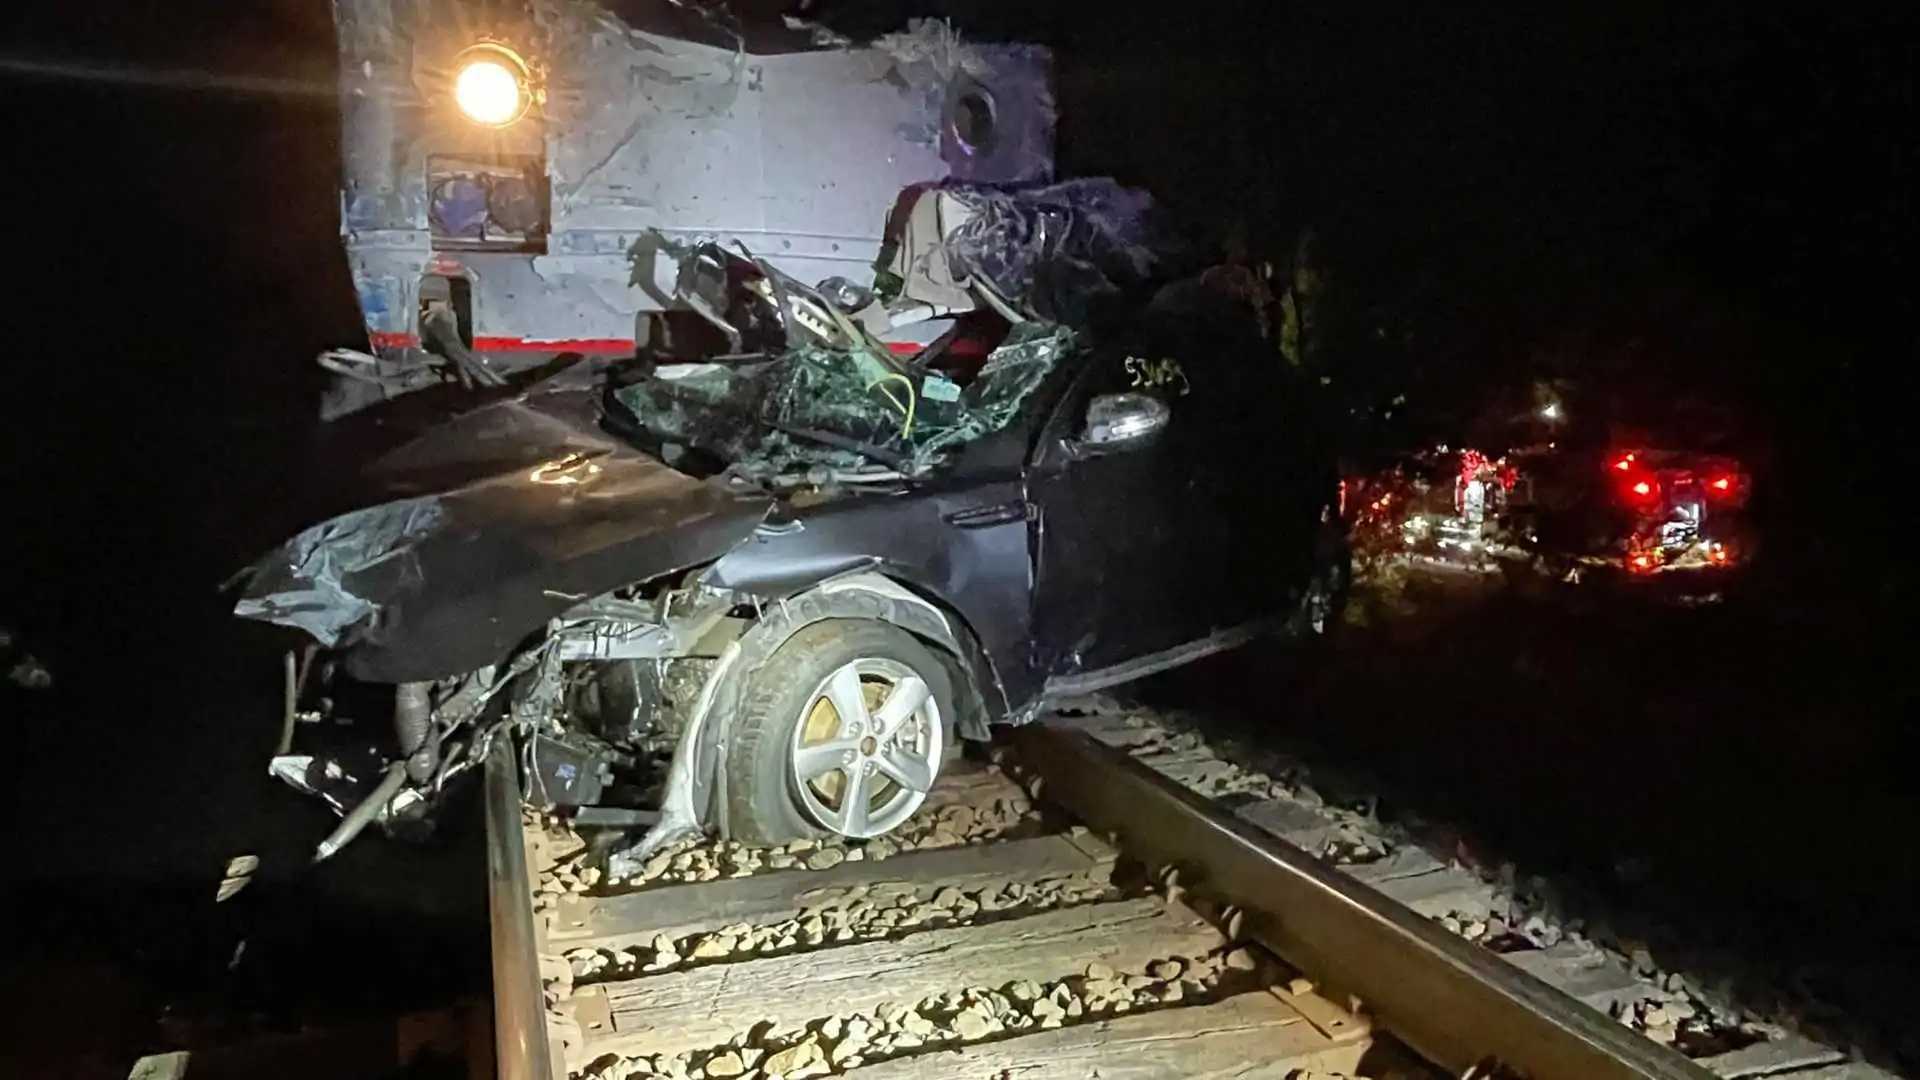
{"x": 803, "y": 382}
{"x": 331, "y": 781}
{"x": 990, "y": 109}
{"x": 1054, "y": 250}
{"x": 305, "y": 587}
{"x": 756, "y": 306}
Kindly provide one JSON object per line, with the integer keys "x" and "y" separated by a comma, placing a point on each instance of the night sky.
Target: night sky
{"x": 1700, "y": 201}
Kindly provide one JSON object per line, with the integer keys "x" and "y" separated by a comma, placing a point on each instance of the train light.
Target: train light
{"x": 490, "y": 85}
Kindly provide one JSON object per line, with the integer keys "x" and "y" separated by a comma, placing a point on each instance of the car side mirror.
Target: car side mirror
{"x": 1120, "y": 422}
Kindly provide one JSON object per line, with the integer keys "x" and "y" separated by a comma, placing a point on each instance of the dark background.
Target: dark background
{"x": 1714, "y": 203}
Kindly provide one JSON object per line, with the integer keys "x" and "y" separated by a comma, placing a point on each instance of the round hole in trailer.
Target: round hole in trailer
{"x": 973, "y": 121}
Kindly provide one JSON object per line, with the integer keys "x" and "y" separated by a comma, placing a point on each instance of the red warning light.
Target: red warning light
{"x": 1643, "y": 488}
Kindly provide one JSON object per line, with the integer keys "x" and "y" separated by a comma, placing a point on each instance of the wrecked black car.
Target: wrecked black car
{"x": 796, "y": 563}
{"x": 748, "y": 542}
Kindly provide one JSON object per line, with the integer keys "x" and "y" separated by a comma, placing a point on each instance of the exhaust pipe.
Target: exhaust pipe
{"x": 362, "y": 815}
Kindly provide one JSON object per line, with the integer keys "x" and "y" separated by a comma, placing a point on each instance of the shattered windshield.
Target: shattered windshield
{"x": 839, "y": 408}
{"x": 977, "y": 295}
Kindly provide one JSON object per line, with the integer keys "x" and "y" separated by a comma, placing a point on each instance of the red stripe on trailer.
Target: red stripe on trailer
{"x": 390, "y": 339}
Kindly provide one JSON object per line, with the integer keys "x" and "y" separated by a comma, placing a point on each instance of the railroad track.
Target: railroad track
{"x": 1668, "y": 1007}
{"x": 1069, "y": 912}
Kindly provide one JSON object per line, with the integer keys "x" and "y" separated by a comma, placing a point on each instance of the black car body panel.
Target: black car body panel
{"x": 963, "y": 546}
{"x": 1042, "y": 558}
{"x": 1058, "y": 562}
{"x": 1211, "y": 527}
{"x": 513, "y": 513}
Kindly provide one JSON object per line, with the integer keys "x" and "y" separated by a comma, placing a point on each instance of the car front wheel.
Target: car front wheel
{"x": 842, "y": 731}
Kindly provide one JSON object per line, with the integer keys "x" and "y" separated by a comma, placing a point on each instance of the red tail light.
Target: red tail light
{"x": 1640, "y": 489}
{"x": 1637, "y": 485}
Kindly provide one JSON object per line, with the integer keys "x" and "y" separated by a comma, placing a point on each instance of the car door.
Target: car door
{"x": 1145, "y": 549}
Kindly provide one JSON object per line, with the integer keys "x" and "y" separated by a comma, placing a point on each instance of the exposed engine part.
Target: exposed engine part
{"x": 414, "y": 730}
{"x": 679, "y": 815}
{"x": 615, "y": 680}
{"x": 566, "y": 772}
{"x": 613, "y": 817}
{"x": 397, "y": 374}
{"x": 691, "y": 778}
{"x": 633, "y": 704}
{"x": 290, "y": 700}
{"x": 340, "y": 784}
{"x": 362, "y": 815}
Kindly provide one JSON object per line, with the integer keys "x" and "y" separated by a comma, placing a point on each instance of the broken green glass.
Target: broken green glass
{"x": 788, "y": 413}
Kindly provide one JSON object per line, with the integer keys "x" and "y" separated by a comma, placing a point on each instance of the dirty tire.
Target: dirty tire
{"x": 763, "y": 803}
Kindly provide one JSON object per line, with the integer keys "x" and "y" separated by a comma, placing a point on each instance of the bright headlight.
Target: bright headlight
{"x": 490, "y": 86}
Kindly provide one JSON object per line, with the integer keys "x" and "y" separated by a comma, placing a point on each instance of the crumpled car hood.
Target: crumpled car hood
{"x": 506, "y": 516}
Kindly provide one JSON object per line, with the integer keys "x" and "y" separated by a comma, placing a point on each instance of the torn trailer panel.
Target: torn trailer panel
{"x": 486, "y": 235}
{"x": 1055, "y": 251}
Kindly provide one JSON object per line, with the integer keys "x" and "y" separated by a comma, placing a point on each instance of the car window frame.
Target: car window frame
{"x": 1061, "y": 413}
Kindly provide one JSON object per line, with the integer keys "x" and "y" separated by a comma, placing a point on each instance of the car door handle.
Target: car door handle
{"x": 982, "y": 517}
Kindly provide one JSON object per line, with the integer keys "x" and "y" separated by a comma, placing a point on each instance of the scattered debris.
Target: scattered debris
{"x": 239, "y": 875}
{"x": 23, "y": 668}
{"x": 172, "y": 1066}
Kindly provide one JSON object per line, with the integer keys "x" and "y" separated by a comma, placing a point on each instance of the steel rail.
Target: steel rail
{"x": 519, "y": 1005}
{"x": 1452, "y": 1002}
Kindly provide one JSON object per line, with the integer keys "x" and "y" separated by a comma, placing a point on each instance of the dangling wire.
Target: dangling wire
{"x": 906, "y": 429}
